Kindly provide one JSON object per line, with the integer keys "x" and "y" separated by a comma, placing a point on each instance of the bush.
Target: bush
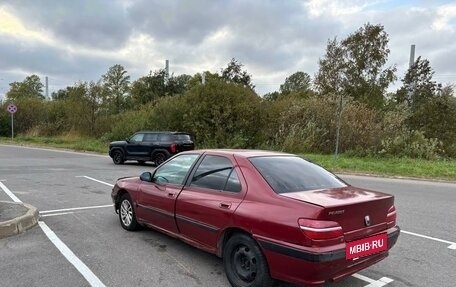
{"x": 217, "y": 114}
{"x": 309, "y": 125}
{"x": 5, "y": 126}
{"x": 124, "y": 125}
{"x": 412, "y": 144}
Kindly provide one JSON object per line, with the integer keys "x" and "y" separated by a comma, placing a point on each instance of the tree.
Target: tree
{"x": 354, "y": 66}
{"x": 116, "y": 83}
{"x": 61, "y": 94}
{"x": 271, "y": 96}
{"x": 233, "y": 73}
{"x": 154, "y": 86}
{"x": 31, "y": 87}
{"x": 298, "y": 82}
{"x": 148, "y": 88}
{"x": 418, "y": 86}
{"x": 178, "y": 85}
{"x": 432, "y": 107}
{"x": 218, "y": 114}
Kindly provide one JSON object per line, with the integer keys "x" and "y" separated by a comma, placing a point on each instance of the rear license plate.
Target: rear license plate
{"x": 366, "y": 246}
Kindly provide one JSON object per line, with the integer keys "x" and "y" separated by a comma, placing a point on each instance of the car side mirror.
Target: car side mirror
{"x": 146, "y": 176}
{"x": 127, "y": 140}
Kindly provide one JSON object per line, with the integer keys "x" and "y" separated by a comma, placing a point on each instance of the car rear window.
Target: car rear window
{"x": 290, "y": 174}
{"x": 183, "y": 137}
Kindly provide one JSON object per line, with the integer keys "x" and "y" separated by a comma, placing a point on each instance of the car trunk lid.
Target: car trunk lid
{"x": 359, "y": 212}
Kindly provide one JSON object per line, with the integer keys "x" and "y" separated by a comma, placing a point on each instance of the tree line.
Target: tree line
{"x": 417, "y": 120}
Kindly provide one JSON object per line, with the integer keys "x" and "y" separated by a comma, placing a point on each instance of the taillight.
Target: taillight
{"x": 320, "y": 229}
{"x": 391, "y": 217}
{"x": 173, "y": 148}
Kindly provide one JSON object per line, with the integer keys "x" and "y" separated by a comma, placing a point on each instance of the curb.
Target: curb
{"x": 21, "y": 223}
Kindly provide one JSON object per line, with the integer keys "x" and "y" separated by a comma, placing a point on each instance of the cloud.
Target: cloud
{"x": 91, "y": 23}
{"x": 79, "y": 40}
{"x": 445, "y": 16}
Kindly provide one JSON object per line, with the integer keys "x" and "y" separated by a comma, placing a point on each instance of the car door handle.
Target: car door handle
{"x": 225, "y": 205}
{"x": 170, "y": 194}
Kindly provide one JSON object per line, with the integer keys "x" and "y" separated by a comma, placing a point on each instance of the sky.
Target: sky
{"x": 70, "y": 41}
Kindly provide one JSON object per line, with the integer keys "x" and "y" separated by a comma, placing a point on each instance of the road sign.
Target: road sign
{"x": 11, "y": 109}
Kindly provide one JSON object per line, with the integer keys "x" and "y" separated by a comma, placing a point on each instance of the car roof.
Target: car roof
{"x": 246, "y": 153}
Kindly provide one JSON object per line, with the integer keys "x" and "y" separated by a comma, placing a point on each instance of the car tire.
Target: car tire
{"x": 159, "y": 158}
{"x": 118, "y": 157}
{"x": 244, "y": 263}
{"x": 127, "y": 214}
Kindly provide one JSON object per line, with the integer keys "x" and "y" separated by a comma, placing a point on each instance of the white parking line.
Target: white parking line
{"x": 452, "y": 244}
{"x": 75, "y": 208}
{"x": 364, "y": 278}
{"x": 91, "y": 178}
{"x": 55, "y": 214}
{"x": 373, "y": 283}
{"x": 71, "y": 257}
{"x": 9, "y": 193}
{"x": 381, "y": 282}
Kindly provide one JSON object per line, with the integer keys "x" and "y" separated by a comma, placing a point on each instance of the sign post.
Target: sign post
{"x": 12, "y": 109}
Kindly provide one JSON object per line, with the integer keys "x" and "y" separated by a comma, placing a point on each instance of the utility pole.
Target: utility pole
{"x": 412, "y": 55}
{"x": 166, "y": 71}
{"x": 47, "y": 88}
{"x": 411, "y": 90}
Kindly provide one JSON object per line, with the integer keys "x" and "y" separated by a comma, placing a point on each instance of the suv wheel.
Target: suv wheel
{"x": 159, "y": 158}
{"x": 117, "y": 157}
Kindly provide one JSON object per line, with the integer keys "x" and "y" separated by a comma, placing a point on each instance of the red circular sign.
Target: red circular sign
{"x": 11, "y": 108}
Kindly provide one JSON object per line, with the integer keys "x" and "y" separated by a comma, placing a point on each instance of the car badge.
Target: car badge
{"x": 367, "y": 220}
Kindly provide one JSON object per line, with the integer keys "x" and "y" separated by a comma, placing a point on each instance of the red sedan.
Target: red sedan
{"x": 269, "y": 215}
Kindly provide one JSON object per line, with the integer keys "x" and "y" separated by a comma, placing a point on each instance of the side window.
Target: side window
{"x": 165, "y": 138}
{"x": 150, "y": 137}
{"x": 137, "y": 138}
{"x": 215, "y": 172}
{"x": 175, "y": 170}
{"x": 233, "y": 184}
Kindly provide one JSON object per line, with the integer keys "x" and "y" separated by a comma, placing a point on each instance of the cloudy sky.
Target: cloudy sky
{"x": 71, "y": 41}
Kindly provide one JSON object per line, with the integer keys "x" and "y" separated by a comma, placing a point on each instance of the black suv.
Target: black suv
{"x": 150, "y": 146}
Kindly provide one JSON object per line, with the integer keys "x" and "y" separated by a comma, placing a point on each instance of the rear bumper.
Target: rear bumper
{"x": 307, "y": 267}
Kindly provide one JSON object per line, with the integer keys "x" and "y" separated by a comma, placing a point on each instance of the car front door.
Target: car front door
{"x": 135, "y": 146}
{"x": 157, "y": 198}
{"x": 205, "y": 206}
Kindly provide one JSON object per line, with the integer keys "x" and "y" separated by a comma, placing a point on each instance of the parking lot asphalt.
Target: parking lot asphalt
{"x": 79, "y": 241}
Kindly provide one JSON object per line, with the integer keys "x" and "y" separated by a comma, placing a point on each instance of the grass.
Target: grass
{"x": 65, "y": 142}
{"x": 388, "y": 166}
{"x": 385, "y": 166}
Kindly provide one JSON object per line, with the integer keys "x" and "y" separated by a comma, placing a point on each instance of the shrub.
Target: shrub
{"x": 124, "y": 125}
{"x": 309, "y": 124}
{"x": 412, "y": 144}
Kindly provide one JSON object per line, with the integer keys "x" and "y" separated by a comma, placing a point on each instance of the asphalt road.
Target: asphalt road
{"x": 57, "y": 182}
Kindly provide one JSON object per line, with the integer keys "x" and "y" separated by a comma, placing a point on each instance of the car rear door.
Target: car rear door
{"x": 156, "y": 200}
{"x": 206, "y": 204}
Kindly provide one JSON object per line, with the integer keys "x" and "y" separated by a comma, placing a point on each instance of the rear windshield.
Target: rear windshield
{"x": 183, "y": 137}
{"x": 290, "y": 174}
